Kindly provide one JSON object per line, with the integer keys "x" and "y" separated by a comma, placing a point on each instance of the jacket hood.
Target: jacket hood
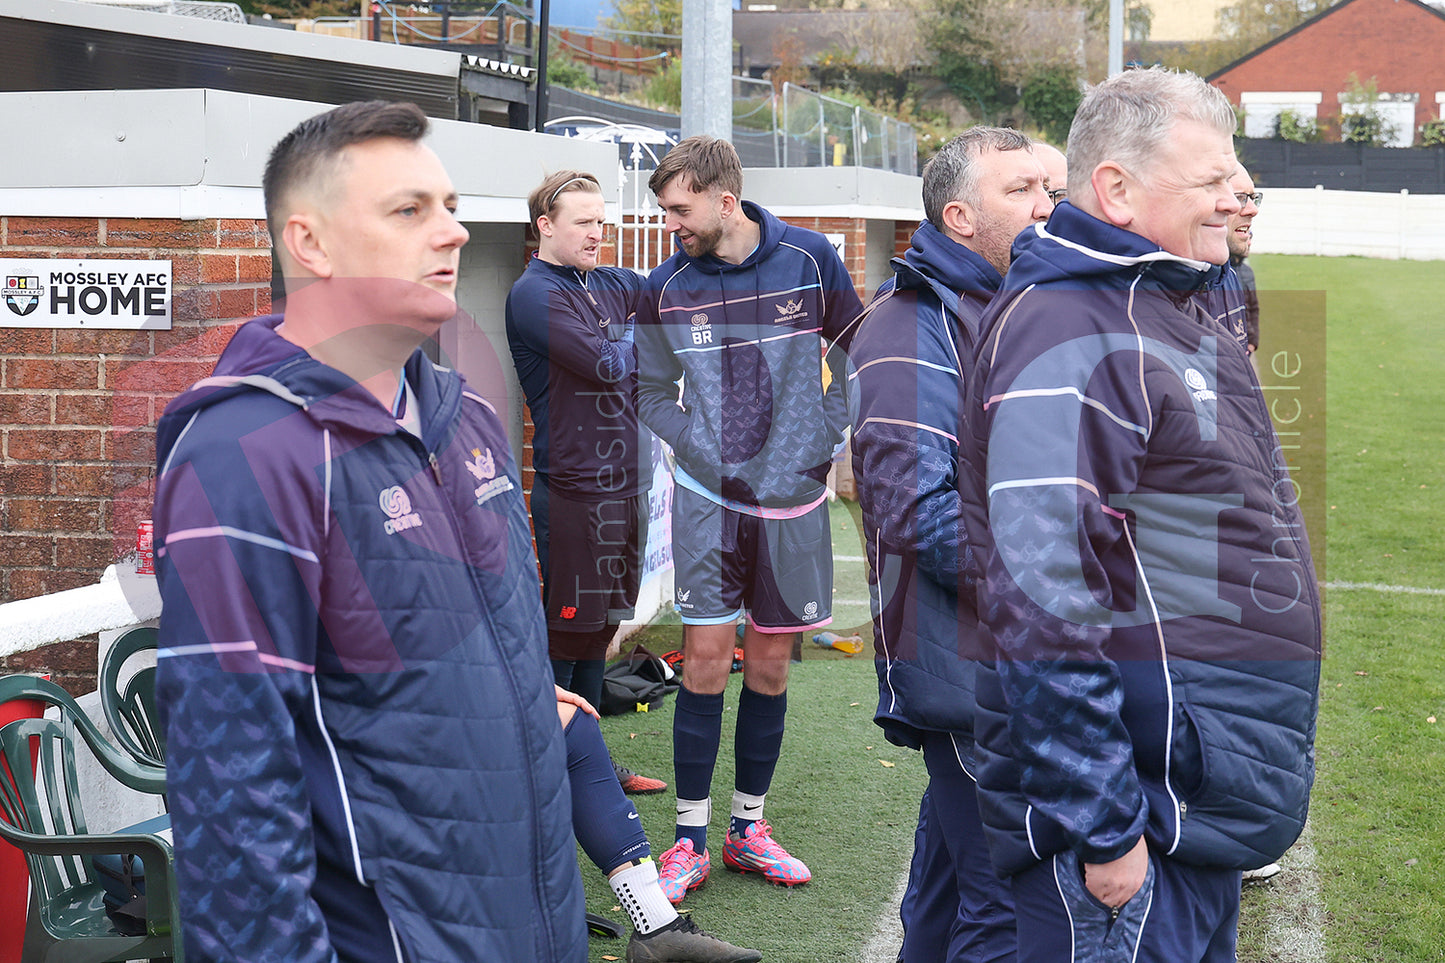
{"x": 259, "y": 359}
{"x": 770, "y": 232}
{"x": 1079, "y": 249}
{"x": 950, "y": 269}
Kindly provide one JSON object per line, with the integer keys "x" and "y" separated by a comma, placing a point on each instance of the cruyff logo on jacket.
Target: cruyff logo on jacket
{"x": 396, "y": 503}
{"x": 701, "y": 329}
{"x": 483, "y": 468}
{"x": 1198, "y": 386}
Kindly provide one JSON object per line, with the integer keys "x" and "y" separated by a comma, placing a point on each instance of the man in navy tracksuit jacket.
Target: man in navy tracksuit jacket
{"x": 570, "y": 331}
{"x": 364, "y": 757}
{"x": 909, "y": 353}
{"x": 741, "y": 316}
{"x": 1147, "y": 591}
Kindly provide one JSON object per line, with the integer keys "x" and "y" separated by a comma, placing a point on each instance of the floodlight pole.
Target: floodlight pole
{"x": 1116, "y": 37}
{"x": 707, "y": 56}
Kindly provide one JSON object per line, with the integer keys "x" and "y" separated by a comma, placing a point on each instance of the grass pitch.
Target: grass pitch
{"x": 1371, "y": 884}
{"x": 1377, "y": 821}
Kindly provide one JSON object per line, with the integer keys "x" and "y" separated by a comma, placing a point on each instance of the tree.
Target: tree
{"x": 1247, "y": 24}
{"x": 1051, "y": 98}
{"x": 662, "y": 17}
{"x": 987, "y": 50}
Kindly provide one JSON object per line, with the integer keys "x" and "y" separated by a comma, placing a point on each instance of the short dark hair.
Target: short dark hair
{"x": 543, "y": 199}
{"x": 952, "y": 176}
{"x": 709, "y": 163}
{"x": 317, "y": 141}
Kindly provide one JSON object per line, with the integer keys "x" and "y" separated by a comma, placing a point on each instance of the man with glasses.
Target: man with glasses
{"x": 1241, "y": 236}
{"x": 1056, "y": 170}
{"x": 910, "y": 352}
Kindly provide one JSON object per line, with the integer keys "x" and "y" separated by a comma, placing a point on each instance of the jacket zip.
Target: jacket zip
{"x": 534, "y": 808}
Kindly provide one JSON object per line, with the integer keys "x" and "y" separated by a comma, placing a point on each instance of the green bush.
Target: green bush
{"x": 1369, "y": 128}
{"x": 1293, "y": 126}
{"x": 566, "y": 72}
{"x": 664, "y": 90}
{"x": 1432, "y": 133}
{"x": 1361, "y": 120}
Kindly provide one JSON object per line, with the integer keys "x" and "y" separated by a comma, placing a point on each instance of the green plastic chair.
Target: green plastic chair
{"x": 42, "y": 815}
{"x": 131, "y": 714}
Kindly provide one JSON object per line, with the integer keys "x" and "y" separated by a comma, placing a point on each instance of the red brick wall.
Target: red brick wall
{"x": 855, "y": 244}
{"x": 78, "y": 407}
{"x": 903, "y": 236}
{"x": 1398, "y": 44}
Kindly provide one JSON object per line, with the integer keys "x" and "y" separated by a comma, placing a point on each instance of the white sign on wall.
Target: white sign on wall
{"x": 91, "y": 293}
{"x": 837, "y": 241}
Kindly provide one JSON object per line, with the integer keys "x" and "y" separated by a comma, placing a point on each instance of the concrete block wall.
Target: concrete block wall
{"x": 78, "y": 406}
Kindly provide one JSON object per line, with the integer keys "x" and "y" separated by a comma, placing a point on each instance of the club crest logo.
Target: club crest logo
{"x": 22, "y": 294}
{"x": 482, "y": 466}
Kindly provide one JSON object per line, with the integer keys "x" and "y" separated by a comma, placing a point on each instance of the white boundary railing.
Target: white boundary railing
{"x": 1350, "y": 223}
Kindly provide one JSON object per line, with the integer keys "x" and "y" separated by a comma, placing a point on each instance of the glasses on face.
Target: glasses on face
{"x": 1058, "y": 194}
{"x": 1256, "y": 198}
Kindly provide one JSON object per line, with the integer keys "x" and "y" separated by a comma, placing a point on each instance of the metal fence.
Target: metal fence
{"x": 197, "y": 9}
{"x": 792, "y": 128}
{"x": 809, "y": 129}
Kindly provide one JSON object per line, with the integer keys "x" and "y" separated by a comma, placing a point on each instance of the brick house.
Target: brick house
{"x": 1307, "y": 69}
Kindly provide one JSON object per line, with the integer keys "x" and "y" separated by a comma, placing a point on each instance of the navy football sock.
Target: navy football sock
{"x": 603, "y": 820}
{"x": 757, "y": 742}
{"x": 696, "y": 735}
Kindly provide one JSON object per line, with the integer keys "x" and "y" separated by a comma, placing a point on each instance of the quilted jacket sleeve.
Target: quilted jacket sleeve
{"x": 239, "y": 575}
{"x": 905, "y": 438}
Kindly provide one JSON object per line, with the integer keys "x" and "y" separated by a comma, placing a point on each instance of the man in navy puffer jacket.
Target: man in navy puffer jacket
{"x": 909, "y": 353}
{"x": 1147, "y": 588}
{"x": 364, "y": 757}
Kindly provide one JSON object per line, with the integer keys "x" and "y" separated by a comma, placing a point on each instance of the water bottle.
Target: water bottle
{"x": 849, "y": 645}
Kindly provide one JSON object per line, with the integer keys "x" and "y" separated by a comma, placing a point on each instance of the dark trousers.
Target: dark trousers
{"x": 1183, "y": 914}
{"x": 959, "y": 909}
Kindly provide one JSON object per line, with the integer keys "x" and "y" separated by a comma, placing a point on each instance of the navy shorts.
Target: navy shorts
{"x": 778, "y": 570}
{"x": 591, "y": 556}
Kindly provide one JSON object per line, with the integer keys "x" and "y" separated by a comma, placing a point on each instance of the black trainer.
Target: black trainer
{"x": 682, "y": 942}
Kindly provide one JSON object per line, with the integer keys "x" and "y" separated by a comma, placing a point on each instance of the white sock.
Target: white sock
{"x": 746, "y": 806}
{"x": 693, "y": 812}
{"x": 641, "y": 896}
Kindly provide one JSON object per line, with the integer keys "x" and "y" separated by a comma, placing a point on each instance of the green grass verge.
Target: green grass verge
{"x": 1376, "y": 815}
{"x": 834, "y": 803}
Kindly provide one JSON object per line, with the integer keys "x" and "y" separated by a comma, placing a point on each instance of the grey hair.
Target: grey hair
{"x": 950, "y": 176}
{"x": 1128, "y": 118}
